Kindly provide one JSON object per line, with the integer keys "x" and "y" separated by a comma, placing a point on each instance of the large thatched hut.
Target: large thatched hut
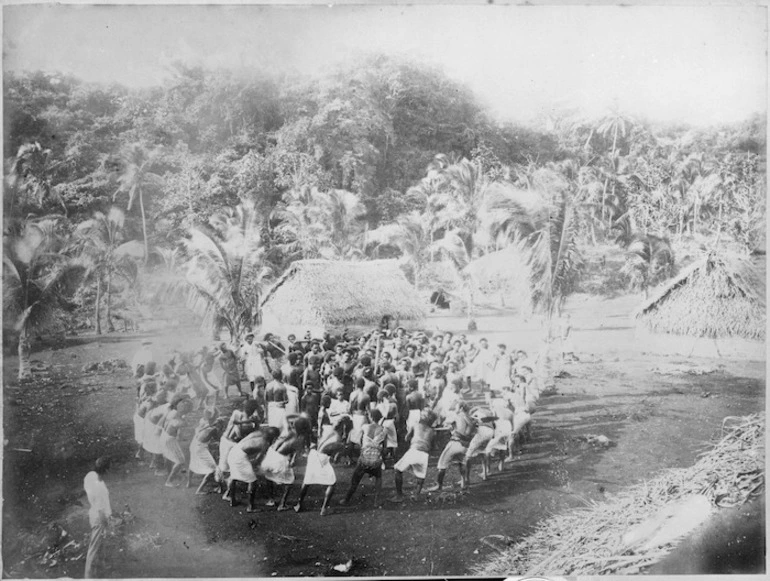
{"x": 717, "y": 298}
{"x": 329, "y": 295}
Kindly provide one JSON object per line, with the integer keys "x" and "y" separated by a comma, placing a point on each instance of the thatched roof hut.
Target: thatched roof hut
{"x": 325, "y": 295}
{"x": 715, "y": 297}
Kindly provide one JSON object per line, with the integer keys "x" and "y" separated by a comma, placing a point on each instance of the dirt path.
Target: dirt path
{"x": 655, "y": 421}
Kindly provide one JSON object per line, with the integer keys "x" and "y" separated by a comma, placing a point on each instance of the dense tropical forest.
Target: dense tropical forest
{"x": 213, "y": 183}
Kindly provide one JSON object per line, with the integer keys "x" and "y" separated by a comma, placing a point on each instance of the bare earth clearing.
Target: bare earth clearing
{"x": 655, "y": 420}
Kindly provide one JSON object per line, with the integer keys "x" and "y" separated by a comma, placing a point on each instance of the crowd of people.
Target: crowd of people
{"x": 382, "y": 400}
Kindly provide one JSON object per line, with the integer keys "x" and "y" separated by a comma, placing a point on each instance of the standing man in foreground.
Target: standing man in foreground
{"x": 99, "y": 513}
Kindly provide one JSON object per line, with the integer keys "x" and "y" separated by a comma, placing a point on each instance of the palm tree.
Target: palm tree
{"x": 226, "y": 269}
{"x": 411, "y": 234}
{"x": 137, "y": 179}
{"x": 614, "y": 124}
{"x": 649, "y": 260}
{"x": 38, "y": 278}
{"x": 544, "y": 232}
{"x": 100, "y": 242}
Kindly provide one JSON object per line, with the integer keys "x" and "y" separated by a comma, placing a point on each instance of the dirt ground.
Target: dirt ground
{"x": 658, "y": 410}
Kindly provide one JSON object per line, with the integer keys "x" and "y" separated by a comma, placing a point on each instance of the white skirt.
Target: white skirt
{"x": 276, "y": 468}
{"x": 319, "y": 469}
{"x": 225, "y": 445}
{"x": 416, "y": 460}
{"x": 172, "y": 451}
{"x": 359, "y": 421}
{"x": 520, "y": 420}
{"x": 276, "y": 416}
{"x": 391, "y": 439}
{"x": 138, "y": 428}
{"x": 413, "y": 419}
{"x": 151, "y": 437}
{"x": 201, "y": 460}
{"x": 240, "y": 466}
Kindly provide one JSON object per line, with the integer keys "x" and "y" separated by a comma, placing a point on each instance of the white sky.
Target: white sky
{"x": 695, "y": 64}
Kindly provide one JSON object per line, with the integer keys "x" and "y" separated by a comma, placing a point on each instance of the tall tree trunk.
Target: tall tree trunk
{"x": 98, "y": 325}
{"x": 25, "y": 370}
{"x": 110, "y": 326}
{"x": 144, "y": 228}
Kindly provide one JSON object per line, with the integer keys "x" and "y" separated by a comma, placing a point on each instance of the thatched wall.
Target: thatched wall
{"x": 716, "y": 297}
{"x": 319, "y": 295}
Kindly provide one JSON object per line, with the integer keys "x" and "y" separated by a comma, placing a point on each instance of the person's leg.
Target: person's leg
{"x": 160, "y": 465}
{"x": 284, "y": 497}
{"x": 231, "y": 493}
{"x": 439, "y": 481}
{"x": 206, "y": 478}
{"x": 94, "y": 544}
{"x": 465, "y": 473}
{"x": 355, "y": 480}
{"x": 252, "y": 495}
{"x": 377, "y": 488}
{"x": 189, "y": 476}
{"x": 420, "y": 483}
{"x": 174, "y": 471}
{"x": 327, "y": 499}
{"x": 399, "y": 476}
{"x": 302, "y": 494}
{"x": 270, "y": 493}
{"x": 138, "y": 455}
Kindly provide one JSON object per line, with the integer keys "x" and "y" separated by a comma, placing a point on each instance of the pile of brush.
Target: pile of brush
{"x": 642, "y": 524}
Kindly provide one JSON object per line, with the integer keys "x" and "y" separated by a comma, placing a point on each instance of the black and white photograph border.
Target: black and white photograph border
{"x": 434, "y": 289}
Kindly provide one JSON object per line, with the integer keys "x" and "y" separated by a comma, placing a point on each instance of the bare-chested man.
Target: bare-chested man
{"x": 463, "y": 429}
{"x": 241, "y": 459}
{"x": 421, "y": 438}
{"x": 277, "y": 397}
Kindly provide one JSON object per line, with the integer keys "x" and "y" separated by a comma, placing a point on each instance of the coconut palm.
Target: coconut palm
{"x": 411, "y": 234}
{"x": 226, "y": 269}
{"x": 138, "y": 179}
{"x": 544, "y": 233}
{"x": 649, "y": 260}
{"x": 100, "y": 241}
{"x": 38, "y": 279}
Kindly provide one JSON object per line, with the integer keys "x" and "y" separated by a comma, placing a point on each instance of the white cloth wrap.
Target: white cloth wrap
{"x": 240, "y": 466}
{"x": 276, "y": 468}
{"x": 201, "y": 460}
{"x": 171, "y": 449}
{"x": 151, "y": 436}
{"x": 413, "y": 419}
{"x": 225, "y": 445}
{"x": 416, "y": 460}
{"x": 138, "y": 428}
{"x": 391, "y": 438}
{"x": 319, "y": 469}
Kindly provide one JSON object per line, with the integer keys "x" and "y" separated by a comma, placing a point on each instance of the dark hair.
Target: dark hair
{"x": 338, "y": 372}
{"x": 412, "y": 384}
{"x": 376, "y": 415}
{"x": 278, "y": 374}
{"x": 503, "y": 345}
{"x": 250, "y": 407}
{"x": 149, "y": 369}
{"x": 382, "y": 394}
{"x": 102, "y": 464}
{"x": 326, "y": 400}
{"x": 293, "y": 357}
{"x": 390, "y": 388}
{"x": 360, "y": 383}
{"x": 365, "y": 361}
{"x": 271, "y": 433}
{"x": 260, "y": 380}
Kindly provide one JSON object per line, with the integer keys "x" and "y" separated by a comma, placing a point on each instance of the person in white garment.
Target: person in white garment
{"x": 98, "y": 515}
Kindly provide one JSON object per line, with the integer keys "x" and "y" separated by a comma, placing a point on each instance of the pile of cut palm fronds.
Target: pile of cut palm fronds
{"x": 643, "y": 523}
